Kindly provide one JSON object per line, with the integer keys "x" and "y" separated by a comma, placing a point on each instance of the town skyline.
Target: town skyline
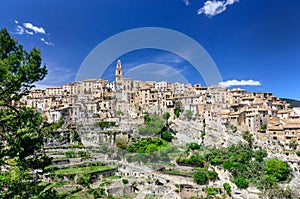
{"x": 247, "y": 40}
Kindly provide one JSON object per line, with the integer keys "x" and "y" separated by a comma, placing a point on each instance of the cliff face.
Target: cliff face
{"x": 215, "y": 135}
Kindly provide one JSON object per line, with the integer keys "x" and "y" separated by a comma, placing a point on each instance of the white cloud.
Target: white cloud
{"x": 34, "y": 28}
{"x": 235, "y": 82}
{"x": 20, "y": 30}
{"x": 46, "y": 42}
{"x": 16, "y": 21}
{"x": 214, "y": 7}
{"x": 187, "y": 2}
{"x": 28, "y": 32}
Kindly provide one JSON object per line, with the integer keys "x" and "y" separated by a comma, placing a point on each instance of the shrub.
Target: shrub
{"x": 227, "y": 188}
{"x": 278, "y": 169}
{"x": 147, "y": 119}
{"x": 203, "y": 134}
{"x": 124, "y": 181}
{"x": 194, "y": 146}
{"x": 200, "y": 178}
{"x": 241, "y": 182}
{"x": 166, "y": 116}
{"x": 167, "y": 136}
{"x": 212, "y": 175}
{"x": 211, "y": 191}
{"x": 263, "y": 127}
{"x": 177, "y": 111}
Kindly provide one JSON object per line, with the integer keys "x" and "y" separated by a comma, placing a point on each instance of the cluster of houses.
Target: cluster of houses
{"x": 96, "y": 99}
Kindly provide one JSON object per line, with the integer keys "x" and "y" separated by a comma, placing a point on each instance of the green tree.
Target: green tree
{"x": 166, "y": 116}
{"x": 197, "y": 159}
{"x": 227, "y": 188}
{"x": 22, "y": 130}
{"x": 212, "y": 175}
{"x": 241, "y": 182}
{"x": 200, "y": 178}
{"x": 167, "y": 136}
{"x": 211, "y": 191}
{"x": 194, "y": 146}
{"x": 124, "y": 181}
{"x": 147, "y": 119}
{"x": 263, "y": 127}
{"x": 278, "y": 169}
{"x": 177, "y": 111}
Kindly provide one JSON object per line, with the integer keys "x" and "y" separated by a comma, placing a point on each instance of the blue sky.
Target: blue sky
{"x": 247, "y": 39}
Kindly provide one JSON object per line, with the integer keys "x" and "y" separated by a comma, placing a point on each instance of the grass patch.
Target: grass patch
{"x": 182, "y": 173}
{"x": 82, "y": 170}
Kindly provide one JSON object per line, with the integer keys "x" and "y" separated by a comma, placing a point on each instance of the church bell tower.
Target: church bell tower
{"x": 119, "y": 71}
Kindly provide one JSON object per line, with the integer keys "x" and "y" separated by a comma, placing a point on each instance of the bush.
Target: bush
{"x": 200, "y": 178}
{"x": 241, "y": 182}
{"x": 212, "y": 175}
{"x": 147, "y": 119}
{"x": 147, "y": 145}
{"x": 211, "y": 191}
{"x": 197, "y": 159}
{"x": 194, "y": 146}
{"x": 263, "y": 127}
{"x": 203, "y": 134}
{"x": 124, "y": 181}
{"x": 166, "y": 116}
{"x": 227, "y": 188}
{"x": 278, "y": 169}
{"x": 167, "y": 136}
{"x": 177, "y": 111}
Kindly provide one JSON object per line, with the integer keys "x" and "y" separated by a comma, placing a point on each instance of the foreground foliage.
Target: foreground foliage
{"x": 22, "y": 130}
{"x": 246, "y": 165}
{"x": 150, "y": 150}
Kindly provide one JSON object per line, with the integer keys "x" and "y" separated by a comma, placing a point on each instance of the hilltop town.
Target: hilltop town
{"x": 211, "y": 116}
{"x": 96, "y": 100}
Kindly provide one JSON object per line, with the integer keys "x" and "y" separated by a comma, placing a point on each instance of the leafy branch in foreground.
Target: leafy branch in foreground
{"x": 22, "y": 131}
